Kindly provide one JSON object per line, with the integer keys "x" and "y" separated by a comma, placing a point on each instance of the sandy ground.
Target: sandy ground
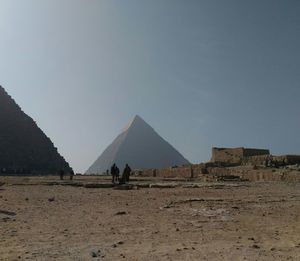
{"x": 241, "y": 221}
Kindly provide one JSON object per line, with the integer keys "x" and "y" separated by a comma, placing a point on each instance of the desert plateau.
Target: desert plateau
{"x": 45, "y": 219}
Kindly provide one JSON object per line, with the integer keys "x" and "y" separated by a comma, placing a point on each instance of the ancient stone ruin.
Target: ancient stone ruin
{"x": 235, "y": 164}
{"x": 24, "y": 148}
{"x": 255, "y": 157}
{"x": 235, "y": 156}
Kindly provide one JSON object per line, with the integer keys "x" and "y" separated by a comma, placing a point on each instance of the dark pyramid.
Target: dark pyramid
{"x": 24, "y": 148}
{"x": 141, "y": 147}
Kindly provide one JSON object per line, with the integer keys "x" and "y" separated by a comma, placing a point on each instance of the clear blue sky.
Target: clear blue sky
{"x": 203, "y": 73}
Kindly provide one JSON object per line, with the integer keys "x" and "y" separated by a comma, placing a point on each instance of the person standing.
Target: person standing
{"x": 71, "y": 174}
{"x": 117, "y": 174}
{"x": 126, "y": 173}
{"x": 113, "y": 172}
{"x": 61, "y": 174}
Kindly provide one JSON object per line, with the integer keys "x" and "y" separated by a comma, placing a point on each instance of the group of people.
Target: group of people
{"x": 62, "y": 173}
{"x": 115, "y": 173}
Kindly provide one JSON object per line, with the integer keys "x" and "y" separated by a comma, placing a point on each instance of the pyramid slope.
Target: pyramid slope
{"x": 24, "y": 148}
{"x": 141, "y": 147}
{"x": 107, "y": 158}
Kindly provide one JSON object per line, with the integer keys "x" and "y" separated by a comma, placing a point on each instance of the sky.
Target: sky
{"x": 202, "y": 73}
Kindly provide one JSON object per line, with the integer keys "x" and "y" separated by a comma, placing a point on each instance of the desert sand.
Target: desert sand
{"x": 44, "y": 220}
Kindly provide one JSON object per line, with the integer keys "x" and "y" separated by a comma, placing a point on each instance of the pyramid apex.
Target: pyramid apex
{"x": 137, "y": 117}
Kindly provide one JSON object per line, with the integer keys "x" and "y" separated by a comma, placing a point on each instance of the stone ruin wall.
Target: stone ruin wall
{"x": 250, "y": 168}
{"x": 256, "y": 160}
{"x": 235, "y": 156}
{"x": 255, "y": 152}
{"x": 191, "y": 171}
{"x": 275, "y": 160}
{"x": 178, "y": 172}
{"x": 254, "y": 174}
{"x": 224, "y": 155}
{"x": 209, "y": 172}
{"x": 292, "y": 159}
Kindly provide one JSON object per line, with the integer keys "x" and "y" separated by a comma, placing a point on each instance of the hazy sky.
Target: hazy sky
{"x": 202, "y": 73}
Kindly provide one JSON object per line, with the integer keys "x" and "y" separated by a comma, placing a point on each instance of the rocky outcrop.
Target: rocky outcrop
{"x": 24, "y": 148}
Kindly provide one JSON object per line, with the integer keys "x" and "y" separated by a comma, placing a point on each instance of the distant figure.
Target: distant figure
{"x": 126, "y": 174}
{"x": 107, "y": 172}
{"x": 117, "y": 174}
{"x": 283, "y": 162}
{"x": 61, "y": 174}
{"x": 192, "y": 172}
{"x": 113, "y": 171}
{"x": 269, "y": 162}
{"x": 71, "y": 174}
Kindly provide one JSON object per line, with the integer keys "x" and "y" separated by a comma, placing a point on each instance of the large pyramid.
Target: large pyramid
{"x": 24, "y": 148}
{"x": 141, "y": 147}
